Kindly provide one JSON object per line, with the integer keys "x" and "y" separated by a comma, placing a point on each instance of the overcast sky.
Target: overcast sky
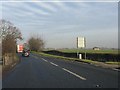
{"x": 60, "y": 23}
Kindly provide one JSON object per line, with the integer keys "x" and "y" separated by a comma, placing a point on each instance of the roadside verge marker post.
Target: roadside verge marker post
{"x": 80, "y": 56}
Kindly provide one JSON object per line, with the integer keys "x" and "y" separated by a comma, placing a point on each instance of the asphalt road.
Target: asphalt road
{"x": 0, "y": 76}
{"x": 45, "y": 72}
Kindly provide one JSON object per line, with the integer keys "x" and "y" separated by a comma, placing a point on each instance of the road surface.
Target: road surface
{"x": 45, "y": 72}
{"x": 0, "y": 76}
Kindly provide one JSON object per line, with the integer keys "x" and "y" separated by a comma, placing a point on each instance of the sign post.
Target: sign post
{"x": 81, "y": 43}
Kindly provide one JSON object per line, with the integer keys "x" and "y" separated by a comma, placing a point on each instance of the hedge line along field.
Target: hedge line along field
{"x": 102, "y": 51}
{"x": 96, "y": 55}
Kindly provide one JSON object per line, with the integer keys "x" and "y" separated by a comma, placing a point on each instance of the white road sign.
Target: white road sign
{"x": 81, "y": 42}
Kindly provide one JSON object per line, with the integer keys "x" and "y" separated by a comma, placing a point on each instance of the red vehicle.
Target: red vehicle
{"x": 19, "y": 48}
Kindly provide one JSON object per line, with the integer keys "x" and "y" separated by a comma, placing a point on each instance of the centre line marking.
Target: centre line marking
{"x": 53, "y": 64}
{"x": 74, "y": 74}
{"x": 44, "y": 60}
{"x": 116, "y": 69}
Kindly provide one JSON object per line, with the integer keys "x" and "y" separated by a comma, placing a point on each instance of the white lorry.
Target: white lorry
{"x": 19, "y": 48}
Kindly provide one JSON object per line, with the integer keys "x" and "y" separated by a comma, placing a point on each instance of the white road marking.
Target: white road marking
{"x": 97, "y": 85}
{"x": 53, "y": 64}
{"x": 97, "y": 65}
{"x": 80, "y": 77}
{"x": 74, "y": 74}
{"x": 44, "y": 60}
{"x": 116, "y": 69}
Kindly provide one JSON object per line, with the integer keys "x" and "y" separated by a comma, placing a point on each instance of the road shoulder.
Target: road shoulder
{"x": 96, "y": 63}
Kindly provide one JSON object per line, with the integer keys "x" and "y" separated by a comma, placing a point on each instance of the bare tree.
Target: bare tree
{"x": 9, "y": 35}
{"x": 8, "y": 45}
{"x": 36, "y": 43}
{"x": 7, "y": 28}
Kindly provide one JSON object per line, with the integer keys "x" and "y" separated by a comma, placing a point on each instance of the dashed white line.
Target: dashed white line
{"x": 116, "y": 69}
{"x": 74, "y": 74}
{"x": 80, "y": 77}
{"x": 53, "y": 64}
{"x": 44, "y": 60}
{"x": 50, "y": 62}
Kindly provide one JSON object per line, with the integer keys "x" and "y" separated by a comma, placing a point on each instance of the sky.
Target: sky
{"x": 59, "y": 23}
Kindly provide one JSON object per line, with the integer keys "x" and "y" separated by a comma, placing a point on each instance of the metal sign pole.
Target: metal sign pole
{"x": 81, "y": 43}
{"x": 85, "y": 54}
{"x": 85, "y": 48}
{"x": 78, "y": 52}
{"x": 77, "y": 49}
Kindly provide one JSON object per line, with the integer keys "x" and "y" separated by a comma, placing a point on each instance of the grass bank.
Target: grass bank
{"x": 76, "y": 59}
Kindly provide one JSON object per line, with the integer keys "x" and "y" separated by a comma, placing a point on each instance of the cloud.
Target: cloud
{"x": 60, "y": 5}
{"x": 63, "y": 20}
{"x": 24, "y": 8}
{"x": 46, "y": 6}
{"x": 35, "y": 10}
{"x": 0, "y": 10}
{"x": 20, "y": 12}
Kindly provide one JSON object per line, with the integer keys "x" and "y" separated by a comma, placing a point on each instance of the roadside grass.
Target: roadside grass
{"x": 55, "y": 56}
{"x": 116, "y": 63}
{"x": 75, "y": 59}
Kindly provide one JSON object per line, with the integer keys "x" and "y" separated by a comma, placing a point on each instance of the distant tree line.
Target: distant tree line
{"x": 36, "y": 43}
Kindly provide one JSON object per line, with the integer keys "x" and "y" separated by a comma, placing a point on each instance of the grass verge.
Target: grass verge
{"x": 55, "y": 56}
{"x": 113, "y": 63}
{"x": 76, "y": 59}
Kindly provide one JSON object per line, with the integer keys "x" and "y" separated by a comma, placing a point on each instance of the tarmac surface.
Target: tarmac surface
{"x": 45, "y": 72}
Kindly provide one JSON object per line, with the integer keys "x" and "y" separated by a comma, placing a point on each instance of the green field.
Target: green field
{"x": 110, "y": 51}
